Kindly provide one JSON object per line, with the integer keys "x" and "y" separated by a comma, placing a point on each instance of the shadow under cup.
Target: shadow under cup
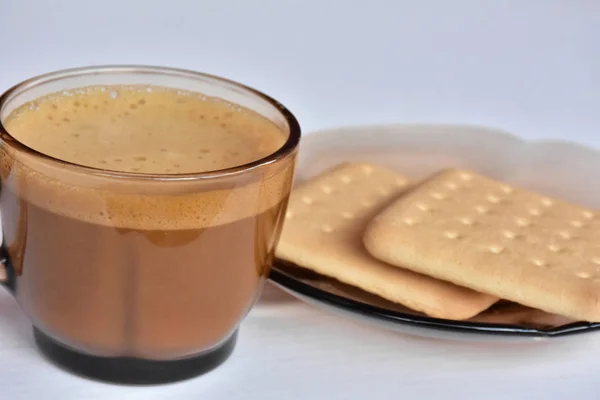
{"x": 140, "y": 278}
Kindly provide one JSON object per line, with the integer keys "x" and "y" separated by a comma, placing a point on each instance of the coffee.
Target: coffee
{"x": 145, "y": 267}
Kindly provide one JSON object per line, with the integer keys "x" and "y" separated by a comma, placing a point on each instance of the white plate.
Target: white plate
{"x": 559, "y": 169}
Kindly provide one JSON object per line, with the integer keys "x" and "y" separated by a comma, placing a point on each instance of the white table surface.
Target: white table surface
{"x": 530, "y": 67}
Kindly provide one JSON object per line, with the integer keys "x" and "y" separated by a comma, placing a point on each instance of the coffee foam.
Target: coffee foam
{"x": 144, "y": 129}
{"x": 137, "y": 203}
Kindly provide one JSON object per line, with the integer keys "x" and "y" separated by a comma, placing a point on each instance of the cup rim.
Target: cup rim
{"x": 289, "y": 146}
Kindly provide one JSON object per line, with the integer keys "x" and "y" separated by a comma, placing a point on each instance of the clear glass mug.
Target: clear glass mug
{"x": 115, "y": 302}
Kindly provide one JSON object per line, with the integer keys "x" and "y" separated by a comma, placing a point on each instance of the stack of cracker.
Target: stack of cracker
{"x": 450, "y": 246}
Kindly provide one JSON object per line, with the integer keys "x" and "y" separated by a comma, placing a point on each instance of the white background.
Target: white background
{"x": 531, "y": 67}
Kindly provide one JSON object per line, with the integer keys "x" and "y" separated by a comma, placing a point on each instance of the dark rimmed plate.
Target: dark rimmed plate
{"x": 560, "y": 169}
{"x": 504, "y": 319}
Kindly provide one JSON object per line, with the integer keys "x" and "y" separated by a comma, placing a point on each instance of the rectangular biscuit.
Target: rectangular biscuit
{"x": 323, "y": 232}
{"x": 493, "y": 238}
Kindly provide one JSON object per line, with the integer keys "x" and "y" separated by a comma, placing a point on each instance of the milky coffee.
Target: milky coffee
{"x": 141, "y": 266}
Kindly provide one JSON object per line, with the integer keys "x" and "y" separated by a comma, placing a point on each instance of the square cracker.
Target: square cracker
{"x": 493, "y": 238}
{"x": 323, "y": 232}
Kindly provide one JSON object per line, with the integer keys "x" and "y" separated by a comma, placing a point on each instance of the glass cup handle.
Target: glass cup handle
{"x": 5, "y": 269}
{"x": 7, "y": 273}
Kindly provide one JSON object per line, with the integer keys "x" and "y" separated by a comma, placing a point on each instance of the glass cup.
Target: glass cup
{"x": 118, "y": 301}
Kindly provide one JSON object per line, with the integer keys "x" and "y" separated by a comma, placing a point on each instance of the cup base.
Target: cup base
{"x": 127, "y": 370}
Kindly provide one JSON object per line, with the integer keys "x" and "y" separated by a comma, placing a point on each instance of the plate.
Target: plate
{"x": 555, "y": 168}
